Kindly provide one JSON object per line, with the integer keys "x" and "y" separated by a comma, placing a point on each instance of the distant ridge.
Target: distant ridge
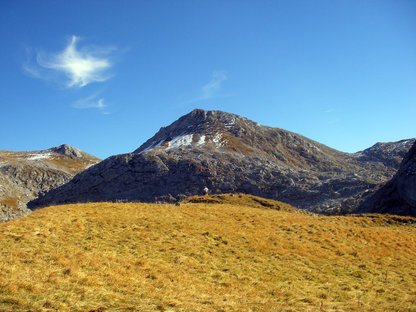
{"x": 230, "y": 153}
{"x": 25, "y": 175}
{"x": 390, "y": 154}
{"x": 68, "y": 150}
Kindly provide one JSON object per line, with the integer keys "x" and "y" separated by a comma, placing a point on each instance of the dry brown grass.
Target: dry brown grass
{"x": 11, "y": 201}
{"x": 205, "y": 257}
{"x": 242, "y": 200}
{"x": 69, "y": 165}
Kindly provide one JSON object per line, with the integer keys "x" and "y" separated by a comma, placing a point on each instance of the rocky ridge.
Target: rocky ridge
{"x": 229, "y": 153}
{"x": 390, "y": 154}
{"x": 397, "y": 196}
{"x": 26, "y": 175}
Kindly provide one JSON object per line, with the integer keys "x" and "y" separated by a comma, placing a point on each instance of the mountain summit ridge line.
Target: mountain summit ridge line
{"x": 229, "y": 153}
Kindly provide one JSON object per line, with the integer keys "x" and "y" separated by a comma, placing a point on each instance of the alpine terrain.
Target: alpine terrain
{"x": 228, "y": 153}
{"x": 25, "y": 175}
{"x": 398, "y": 196}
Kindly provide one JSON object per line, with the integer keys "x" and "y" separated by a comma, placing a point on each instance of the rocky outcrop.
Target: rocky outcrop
{"x": 228, "y": 153}
{"x": 397, "y": 196}
{"x": 390, "y": 154}
{"x": 26, "y": 175}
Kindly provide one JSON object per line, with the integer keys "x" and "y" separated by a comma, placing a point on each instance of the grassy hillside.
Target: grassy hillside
{"x": 205, "y": 256}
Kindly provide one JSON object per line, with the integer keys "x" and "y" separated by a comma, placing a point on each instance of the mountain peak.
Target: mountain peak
{"x": 66, "y": 149}
{"x": 199, "y": 117}
{"x": 72, "y": 152}
{"x": 228, "y": 153}
{"x": 201, "y": 128}
{"x": 28, "y": 174}
{"x": 189, "y": 130}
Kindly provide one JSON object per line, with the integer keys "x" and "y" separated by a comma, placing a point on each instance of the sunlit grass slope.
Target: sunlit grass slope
{"x": 205, "y": 257}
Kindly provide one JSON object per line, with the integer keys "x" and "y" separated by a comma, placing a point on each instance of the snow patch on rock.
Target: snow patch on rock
{"x": 201, "y": 140}
{"x": 180, "y": 141}
{"x": 39, "y": 156}
{"x": 152, "y": 146}
{"x": 217, "y": 140}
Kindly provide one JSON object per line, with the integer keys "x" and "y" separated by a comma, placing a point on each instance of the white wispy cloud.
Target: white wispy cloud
{"x": 80, "y": 67}
{"x": 212, "y": 88}
{"x": 92, "y": 101}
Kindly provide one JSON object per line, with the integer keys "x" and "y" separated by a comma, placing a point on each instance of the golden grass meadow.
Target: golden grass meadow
{"x": 211, "y": 253}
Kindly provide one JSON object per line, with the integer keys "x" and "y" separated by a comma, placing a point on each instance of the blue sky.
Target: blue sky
{"x": 104, "y": 76}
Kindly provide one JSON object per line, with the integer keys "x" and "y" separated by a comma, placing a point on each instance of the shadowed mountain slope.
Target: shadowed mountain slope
{"x": 229, "y": 153}
{"x": 398, "y": 196}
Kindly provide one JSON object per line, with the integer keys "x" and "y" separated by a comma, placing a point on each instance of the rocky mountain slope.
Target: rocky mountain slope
{"x": 390, "y": 154}
{"x": 397, "y": 196}
{"x": 229, "y": 153}
{"x": 25, "y": 175}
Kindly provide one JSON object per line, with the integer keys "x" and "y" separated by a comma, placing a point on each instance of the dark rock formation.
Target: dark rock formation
{"x": 397, "y": 196}
{"x": 25, "y": 175}
{"x": 228, "y": 153}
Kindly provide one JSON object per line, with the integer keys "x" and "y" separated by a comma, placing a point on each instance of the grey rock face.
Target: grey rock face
{"x": 26, "y": 175}
{"x": 228, "y": 153}
{"x": 397, "y": 196}
{"x": 390, "y": 154}
{"x": 70, "y": 151}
